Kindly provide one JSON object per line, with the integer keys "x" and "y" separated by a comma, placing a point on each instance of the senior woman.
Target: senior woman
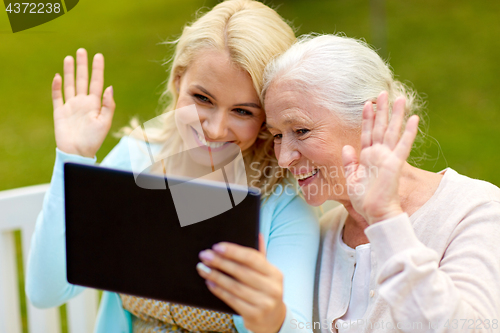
{"x": 408, "y": 250}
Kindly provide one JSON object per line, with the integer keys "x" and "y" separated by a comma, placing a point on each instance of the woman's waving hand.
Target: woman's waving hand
{"x": 83, "y": 118}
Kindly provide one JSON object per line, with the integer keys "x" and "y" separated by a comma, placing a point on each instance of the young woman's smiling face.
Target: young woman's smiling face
{"x": 226, "y": 101}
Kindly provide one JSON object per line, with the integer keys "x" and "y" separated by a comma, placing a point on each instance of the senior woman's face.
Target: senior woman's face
{"x": 308, "y": 140}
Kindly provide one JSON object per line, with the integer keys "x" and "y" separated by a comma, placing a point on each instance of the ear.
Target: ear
{"x": 177, "y": 82}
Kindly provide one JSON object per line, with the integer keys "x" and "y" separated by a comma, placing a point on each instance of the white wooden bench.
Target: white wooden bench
{"x": 18, "y": 211}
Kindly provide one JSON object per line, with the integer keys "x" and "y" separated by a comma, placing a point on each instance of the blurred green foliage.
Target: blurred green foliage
{"x": 446, "y": 50}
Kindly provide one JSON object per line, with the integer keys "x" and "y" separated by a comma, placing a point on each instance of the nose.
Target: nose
{"x": 215, "y": 125}
{"x": 287, "y": 153}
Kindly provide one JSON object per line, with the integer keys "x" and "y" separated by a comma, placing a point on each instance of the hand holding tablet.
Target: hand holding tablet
{"x": 123, "y": 238}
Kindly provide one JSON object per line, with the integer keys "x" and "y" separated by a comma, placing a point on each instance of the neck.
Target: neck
{"x": 416, "y": 187}
{"x": 354, "y": 228}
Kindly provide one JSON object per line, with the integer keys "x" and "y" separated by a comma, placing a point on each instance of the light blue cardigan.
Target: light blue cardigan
{"x": 289, "y": 226}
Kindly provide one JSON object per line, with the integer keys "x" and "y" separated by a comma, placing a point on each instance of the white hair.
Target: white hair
{"x": 341, "y": 73}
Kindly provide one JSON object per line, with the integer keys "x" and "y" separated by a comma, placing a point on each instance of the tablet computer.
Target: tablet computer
{"x": 127, "y": 239}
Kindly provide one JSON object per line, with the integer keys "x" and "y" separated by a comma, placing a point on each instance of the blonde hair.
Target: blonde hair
{"x": 253, "y": 34}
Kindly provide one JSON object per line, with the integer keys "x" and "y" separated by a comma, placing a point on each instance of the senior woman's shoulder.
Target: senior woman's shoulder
{"x": 459, "y": 200}
{"x": 470, "y": 190}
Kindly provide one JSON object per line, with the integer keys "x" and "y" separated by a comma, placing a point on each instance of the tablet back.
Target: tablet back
{"x": 123, "y": 238}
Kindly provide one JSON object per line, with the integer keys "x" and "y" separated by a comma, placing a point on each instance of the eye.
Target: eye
{"x": 302, "y": 131}
{"x": 277, "y": 137}
{"x": 202, "y": 98}
{"x": 243, "y": 112}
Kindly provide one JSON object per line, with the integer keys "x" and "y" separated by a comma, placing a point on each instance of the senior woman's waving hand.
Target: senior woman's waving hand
{"x": 407, "y": 250}
{"x": 373, "y": 179}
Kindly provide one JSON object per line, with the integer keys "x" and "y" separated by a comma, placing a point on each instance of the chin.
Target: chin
{"x": 200, "y": 156}
{"x": 314, "y": 199}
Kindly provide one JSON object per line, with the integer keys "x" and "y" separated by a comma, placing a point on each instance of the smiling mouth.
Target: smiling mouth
{"x": 304, "y": 176}
{"x": 209, "y": 144}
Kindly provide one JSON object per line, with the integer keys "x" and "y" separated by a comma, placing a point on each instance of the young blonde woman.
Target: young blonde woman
{"x": 217, "y": 66}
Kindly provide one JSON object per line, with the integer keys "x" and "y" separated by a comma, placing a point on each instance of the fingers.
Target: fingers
{"x": 244, "y": 256}
{"x": 393, "y": 132}
{"x": 96, "y": 82}
{"x": 97, "y": 79}
{"x": 381, "y": 117}
{"x": 108, "y": 104}
{"x": 240, "y": 272}
{"x": 82, "y": 75}
{"x": 405, "y": 144}
{"x": 57, "y": 98}
{"x": 367, "y": 125}
{"x": 69, "y": 77}
{"x": 374, "y": 128}
{"x": 236, "y": 303}
{"x": 229, "y": 285}
{"x": 257, "y": 297}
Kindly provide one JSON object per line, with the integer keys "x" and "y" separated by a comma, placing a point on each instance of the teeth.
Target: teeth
{"x": 210, "y": 144}
{"x": 306, "y": 175}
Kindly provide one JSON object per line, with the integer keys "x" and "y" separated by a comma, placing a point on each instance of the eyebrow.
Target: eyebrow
{"x": 252, "y": 105}
{"x": 206, "y": 92}
{"x": 286, "y": 122}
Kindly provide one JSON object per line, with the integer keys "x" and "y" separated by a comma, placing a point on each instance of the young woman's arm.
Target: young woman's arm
{"x": 46, "y": 284}
{"x": 81, "y": 123}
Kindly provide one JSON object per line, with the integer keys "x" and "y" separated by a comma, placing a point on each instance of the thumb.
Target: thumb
{"x": 108, "y": 103}
{"x": 349, "y": 160}
{"x": 262, "y": 245}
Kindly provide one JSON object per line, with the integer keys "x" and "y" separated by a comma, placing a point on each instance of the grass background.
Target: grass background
{"x": 447, "y": 50}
